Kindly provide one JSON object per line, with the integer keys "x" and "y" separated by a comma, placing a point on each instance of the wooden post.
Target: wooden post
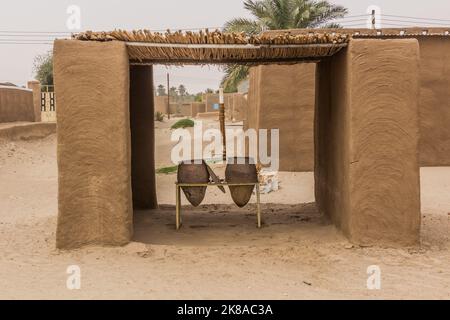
{"x": 222, "y": 124}
{"x": 373, "y": 20}
{"x": 177, "y": 207}
{"x": 168, "y": 97}
{"x": 258, "y": 204}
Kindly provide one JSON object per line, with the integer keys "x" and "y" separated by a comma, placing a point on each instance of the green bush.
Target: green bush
{"x": 183, "y": 123}
{"x": 167, "y": 170}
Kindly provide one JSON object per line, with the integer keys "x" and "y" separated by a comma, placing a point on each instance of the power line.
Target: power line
{"x": 28, "y": 40}
{"x": 356, "y": 16}
{"x": 358, "y": 25}
{"x": 406, "y": 21}
{"x": 430, "y": 21}
{"x": 348, "y": 21}
{"x": 33, "y": 43}
{"x": 394, "y": 25}
{"x": 36, "y": 32}
{"x": 11, "y": 36}
{"x": 28, "y": 35}
{"x": 416, "y": 18}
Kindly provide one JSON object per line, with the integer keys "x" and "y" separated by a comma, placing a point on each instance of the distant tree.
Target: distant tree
{"x": 182, "y": 90}
{"x": 43, "y": 68}
{"x": 161, "y": 91}
{"x": 199, "y": 97}
{"x": 209, "y": 90}
{"x": 173, "y": 92}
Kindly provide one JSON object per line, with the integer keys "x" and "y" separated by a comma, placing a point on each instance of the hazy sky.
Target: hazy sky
{"x": 16, "y": 60}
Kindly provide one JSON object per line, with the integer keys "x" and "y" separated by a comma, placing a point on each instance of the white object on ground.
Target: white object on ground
{"x": 268, "y": 181}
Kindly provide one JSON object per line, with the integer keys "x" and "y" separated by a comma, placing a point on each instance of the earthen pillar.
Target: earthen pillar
{"x": 94, "y": 146}
{"x": 36, "y": 87}
{"x": 367, "y": 172}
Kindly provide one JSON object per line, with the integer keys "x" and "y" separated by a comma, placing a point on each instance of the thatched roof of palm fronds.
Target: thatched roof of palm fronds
{"x": 212, "y": 37}
{"x": 145, "y": 46}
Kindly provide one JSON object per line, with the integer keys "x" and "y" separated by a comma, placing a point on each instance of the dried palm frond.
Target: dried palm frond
{"x": 218, "y": 47}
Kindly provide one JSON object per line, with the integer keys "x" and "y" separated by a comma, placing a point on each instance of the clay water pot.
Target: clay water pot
{"x": 190, "y": 172}
{"x": 241, "y": 170}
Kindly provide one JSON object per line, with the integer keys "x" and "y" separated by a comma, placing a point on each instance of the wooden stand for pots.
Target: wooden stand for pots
{"x": 222, "y": 184}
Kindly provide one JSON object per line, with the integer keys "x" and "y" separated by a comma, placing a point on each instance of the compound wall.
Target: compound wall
{"x": 282, "y": 97}
{"x": 434, "y": 101}
{"x": 196, "y": 108}
{"x": 16, "y": 104}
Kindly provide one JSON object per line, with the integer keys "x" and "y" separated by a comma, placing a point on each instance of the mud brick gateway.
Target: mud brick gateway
{"x": 366, "y": 128}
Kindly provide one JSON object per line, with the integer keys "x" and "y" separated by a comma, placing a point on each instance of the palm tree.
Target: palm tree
{"x": 182, "y": 90}
{"x": 277, "y": 15}
{"x": 161, "y": 91}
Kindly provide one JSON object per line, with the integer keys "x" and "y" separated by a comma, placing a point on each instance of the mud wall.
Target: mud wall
{"x": 94, "y": 162}
{"x": 181, "y": 109}
{"x": 367, "y": 171}
{"x": 208, "y": 115}
{"x": 161, "y": 104}
{"x": 36, "y": 87}
{"x": 176, "y": 108}
{"x": 196, "y": 108}
{"x": 16, "y": 104}
{"x": 210, "y": 99}
{"x": 26, "y": 131}
{"x": 332, "y": 140}
{"x": 253, "y": 98}
{"x": 238, "y": 107}
{"x": 275, "y": 103}
{"x": 143, "y": 180}
{"x": 434, "y": 101}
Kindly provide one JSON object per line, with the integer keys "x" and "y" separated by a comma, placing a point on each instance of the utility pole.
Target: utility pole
{"x": 168, "y": 96}
{"x": 222, "y": 124}
{"x": 373, "y": 20}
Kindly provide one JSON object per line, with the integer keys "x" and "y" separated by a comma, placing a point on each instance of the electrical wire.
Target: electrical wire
{"x": 349, "y": 21}
{"x": 29, "y": 35}
{"x": 406, "y": 21}
{"x": 356, "y": 16}
{"x": 416, "y": 18}
{"x": 23, "y": 39}
{"x": 31, "y": 43}
{"x": 36, "y": 32}
{"x": 47, "y": 37}
{"x": 156, "y": 30}
{"x": 357, "y": 25}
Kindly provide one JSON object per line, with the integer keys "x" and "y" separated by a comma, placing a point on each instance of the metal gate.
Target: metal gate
{"x": 48, "y": 106}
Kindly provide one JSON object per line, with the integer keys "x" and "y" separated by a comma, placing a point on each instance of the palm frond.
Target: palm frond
{"x": 323, "y": 12}
{"x": 234, "y": 74}
{"x": 282, "y": 13}
{"x": 247, "y": 26}
{"x": 257, "y": 8}
{"x": 279, "y": 14}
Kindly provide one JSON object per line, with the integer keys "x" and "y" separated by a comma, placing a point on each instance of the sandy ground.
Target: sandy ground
{"x": 219, "y": 253}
